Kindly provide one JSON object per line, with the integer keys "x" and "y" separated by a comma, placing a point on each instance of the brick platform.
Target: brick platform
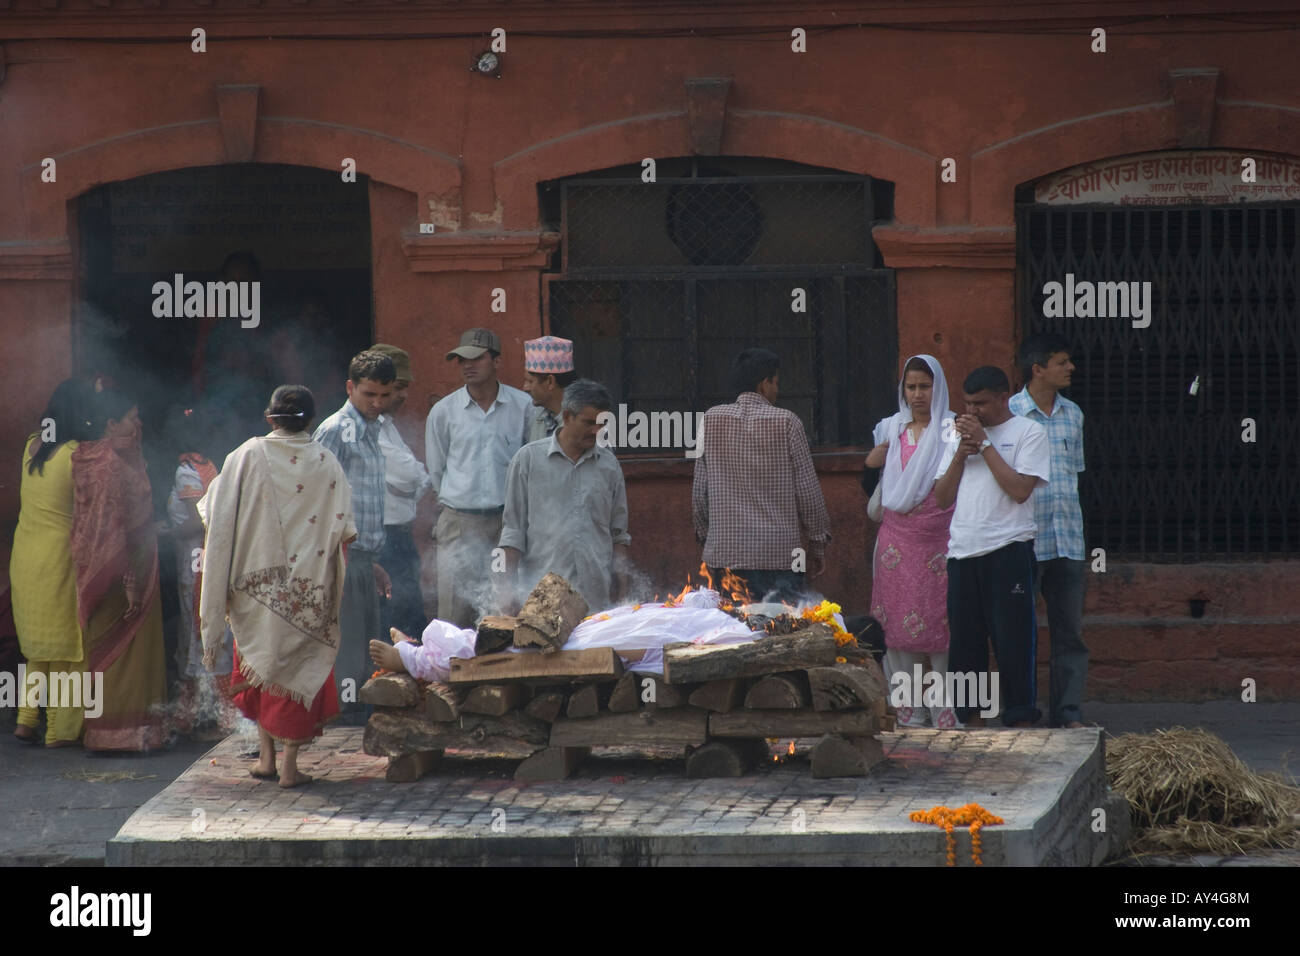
{"x": 617, "y": 811}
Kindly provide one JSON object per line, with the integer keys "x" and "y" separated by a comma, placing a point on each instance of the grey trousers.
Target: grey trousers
{"x": 1062, "y": 582}
{"x": 358, "y": 624}
{"x": 465, "y": 544}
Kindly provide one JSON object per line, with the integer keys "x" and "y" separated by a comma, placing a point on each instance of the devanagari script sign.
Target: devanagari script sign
{"x": 1175, "y": 179}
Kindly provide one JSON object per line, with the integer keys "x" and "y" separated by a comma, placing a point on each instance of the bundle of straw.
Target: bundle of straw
{"x": 1189, "y": 793}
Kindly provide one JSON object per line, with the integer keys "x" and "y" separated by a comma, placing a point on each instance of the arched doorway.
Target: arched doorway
{"x": 1191, "y": 440}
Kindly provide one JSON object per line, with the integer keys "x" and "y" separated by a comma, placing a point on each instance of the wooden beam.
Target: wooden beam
{"x": 393, "y": 734}
{"x": 409, "y": 768}
{"x": 494, "y": 699}
{"x": 553, "y": 763}
{"x": 680, "y": 726}
{"x": 847, "y": 686}
{"x": 547, "y": 705}
{"x": 813, "y": 646}
{"x": 596, "y": 663}
{"x": 390, "y": 690}
{"x": 718, "y": 695}
{"x": 665, "y": 696}
{"x": 588, "y": 700}
{"x": 495, "y": 632}
{"x": 834, "y": 756}
{"x": 779, "y": 692}
{"x": 442, "y": 701}
{"x": 626, "y": 695}
{"x": 725, "y": 758}
{"x": 791, "y": 723}
{"x": 550, "y": 614}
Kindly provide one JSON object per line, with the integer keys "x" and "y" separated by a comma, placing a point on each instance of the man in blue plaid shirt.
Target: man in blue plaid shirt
{"x": 1046, "y": 366}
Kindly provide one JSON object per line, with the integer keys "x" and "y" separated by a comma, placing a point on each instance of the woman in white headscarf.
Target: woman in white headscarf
{"x": 909, "y": 590}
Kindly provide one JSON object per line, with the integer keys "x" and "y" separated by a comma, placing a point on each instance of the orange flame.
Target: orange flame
{"x": 792, "y": 748}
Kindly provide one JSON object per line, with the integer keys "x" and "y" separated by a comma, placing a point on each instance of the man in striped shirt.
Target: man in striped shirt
{"x": 352, "y": 434}
{"x": 756, "y": 503}
{"x": 1062, "y": 570}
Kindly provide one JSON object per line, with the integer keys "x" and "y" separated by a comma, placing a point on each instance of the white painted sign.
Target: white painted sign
{"x": 1175, "y": 179}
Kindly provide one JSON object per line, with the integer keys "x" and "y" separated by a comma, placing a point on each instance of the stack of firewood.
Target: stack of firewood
{"x": 721, "y": 703}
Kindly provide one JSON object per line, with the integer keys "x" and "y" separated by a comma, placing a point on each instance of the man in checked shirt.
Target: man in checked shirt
{"x": 1062, "y": 569}
{"x": 756, "y": 503}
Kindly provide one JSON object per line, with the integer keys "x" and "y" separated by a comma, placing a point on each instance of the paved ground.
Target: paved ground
{"x": 59, "y": 807}
{"x": 1043, "y": 783}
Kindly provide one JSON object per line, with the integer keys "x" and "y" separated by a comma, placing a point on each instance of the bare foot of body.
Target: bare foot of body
{"x": 386, "y": 656}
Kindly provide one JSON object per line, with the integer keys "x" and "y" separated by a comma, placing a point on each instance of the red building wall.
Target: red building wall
{"x": 1010, "y": 91}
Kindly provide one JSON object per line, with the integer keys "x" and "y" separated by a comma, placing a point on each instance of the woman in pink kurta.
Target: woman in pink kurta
{"x": 909, "y": 591}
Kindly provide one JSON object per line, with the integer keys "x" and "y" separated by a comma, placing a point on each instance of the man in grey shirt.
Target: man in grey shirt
{"x": 566, "y": 508}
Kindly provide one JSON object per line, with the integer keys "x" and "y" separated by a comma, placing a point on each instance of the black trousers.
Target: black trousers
{"x": 992, "y": 598}
{"x": 399, "y": 557}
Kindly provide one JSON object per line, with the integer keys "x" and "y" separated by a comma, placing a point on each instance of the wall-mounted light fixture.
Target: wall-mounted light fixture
{"x": 487, "y": 63}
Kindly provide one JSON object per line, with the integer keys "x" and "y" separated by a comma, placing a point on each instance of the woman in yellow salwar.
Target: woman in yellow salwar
{"x": 115, "y": 552}
{"x": 41, "y": 574}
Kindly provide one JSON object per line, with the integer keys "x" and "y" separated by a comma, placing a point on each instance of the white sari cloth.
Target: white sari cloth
{"x": 277, "y": 517}
{"x": 904, "y": 489}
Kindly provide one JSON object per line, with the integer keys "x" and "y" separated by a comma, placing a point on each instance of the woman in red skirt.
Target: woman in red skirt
{"x": 278, "y": 518}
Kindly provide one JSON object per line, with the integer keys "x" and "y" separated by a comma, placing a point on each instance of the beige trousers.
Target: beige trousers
{"x": 465, "y": 544}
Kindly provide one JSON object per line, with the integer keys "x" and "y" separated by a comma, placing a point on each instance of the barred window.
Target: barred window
{"x": 661, "y": 284}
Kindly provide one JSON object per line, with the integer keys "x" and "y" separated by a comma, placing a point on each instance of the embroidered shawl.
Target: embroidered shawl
{"x": 277, "y": 517}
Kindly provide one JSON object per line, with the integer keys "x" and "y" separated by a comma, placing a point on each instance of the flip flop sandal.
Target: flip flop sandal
{"x": 263, "y": 776}
{"x": 303, "y": 780}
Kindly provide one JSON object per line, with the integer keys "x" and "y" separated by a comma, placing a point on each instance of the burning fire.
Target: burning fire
{"x": 732, "y": 589}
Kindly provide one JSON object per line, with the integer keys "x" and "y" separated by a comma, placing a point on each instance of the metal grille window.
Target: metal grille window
{"x": 1169, "y": 476}
{"x": 663, "y": 283}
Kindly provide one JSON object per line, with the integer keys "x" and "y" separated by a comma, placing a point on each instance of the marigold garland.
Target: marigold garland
{"x": 972, "y": 814}
{"x": 825, "y": 614}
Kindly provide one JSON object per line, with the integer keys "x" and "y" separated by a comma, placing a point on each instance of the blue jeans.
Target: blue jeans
{"x": 405, "y": 609}
{"x": 1062, "y": 582}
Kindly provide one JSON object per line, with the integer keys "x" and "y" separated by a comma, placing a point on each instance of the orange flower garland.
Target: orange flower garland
{"x": 825, "y": 613}
{"x": 972, "y": 814}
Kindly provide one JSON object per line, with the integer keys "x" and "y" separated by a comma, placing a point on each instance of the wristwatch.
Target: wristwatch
{"x": 986, "y": 443}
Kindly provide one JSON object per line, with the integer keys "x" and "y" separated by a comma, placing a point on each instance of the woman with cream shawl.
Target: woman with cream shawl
{"x": 278, "y": 518}
{"x": 909, "y": 589}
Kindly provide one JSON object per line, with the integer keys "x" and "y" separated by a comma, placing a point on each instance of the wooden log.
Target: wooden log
{"x": 847, "y": 686}
{"x": 683, "y": 725}
{"x": 547, "y": 705}
{"x": 550, "y": 614}
{"x": 494, "y": 699}
{"x": 814, "y": 646}
{"x": 791, "y": 723}
{"x": 720, "y": 696}
{"x": 390, "y": 690}
{"x": 442, "y": 701}
{"x": 588, "y": 700}
{"x": 393, "y": 734}
{"x": 409, "y": 768}
{"x": 553, "y": 763}
{"x": 886, "y": 724}
{"x": 665, "y": 696}
{"x": 835, "y": 756}
{"x": 725, "y": 758}
{"x": 495, "y": 632}
{"x": 626, "y": 695}
{"x": 779, "y": 692}
{"x": 596, "y": 663}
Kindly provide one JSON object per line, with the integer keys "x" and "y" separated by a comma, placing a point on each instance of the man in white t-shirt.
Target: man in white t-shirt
{"x": 991, "y": 469}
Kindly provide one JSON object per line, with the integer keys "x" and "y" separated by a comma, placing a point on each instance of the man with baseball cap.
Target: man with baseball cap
{"x": 405, "y": 482}
{"x": 548, "y": 371}
{"x": 469, "y": 438}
